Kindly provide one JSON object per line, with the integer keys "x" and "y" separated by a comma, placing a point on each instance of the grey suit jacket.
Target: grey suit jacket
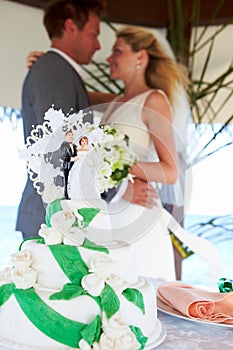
{"x": 51, "y": 80}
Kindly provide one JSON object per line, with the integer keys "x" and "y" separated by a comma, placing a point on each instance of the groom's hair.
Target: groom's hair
{"x": 58, "y": 11}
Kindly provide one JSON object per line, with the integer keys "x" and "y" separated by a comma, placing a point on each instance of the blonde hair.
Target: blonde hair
{"x": 162, "y": 71}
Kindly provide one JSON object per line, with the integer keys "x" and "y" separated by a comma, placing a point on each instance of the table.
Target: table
{"x": 185, "y": 335}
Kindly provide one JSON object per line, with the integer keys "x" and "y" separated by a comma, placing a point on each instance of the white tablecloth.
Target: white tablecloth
{"x": 185, "y": 335}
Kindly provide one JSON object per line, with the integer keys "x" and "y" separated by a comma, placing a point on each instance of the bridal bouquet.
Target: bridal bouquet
{"x": 113, "y": 158}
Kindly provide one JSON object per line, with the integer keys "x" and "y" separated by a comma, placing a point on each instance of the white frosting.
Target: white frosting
{"x": 50, "y": 275}
{"x": 36, "y": 267}
{"x": 99, "y": 229}
{"x": 81, "y": 309}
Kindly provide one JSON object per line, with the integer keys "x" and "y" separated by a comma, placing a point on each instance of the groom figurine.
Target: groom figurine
{"x": 68, "y": 155}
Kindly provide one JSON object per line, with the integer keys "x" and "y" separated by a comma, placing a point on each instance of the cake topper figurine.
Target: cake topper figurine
{"x": 68, "y": 155}
{"x": 109, "y": 158}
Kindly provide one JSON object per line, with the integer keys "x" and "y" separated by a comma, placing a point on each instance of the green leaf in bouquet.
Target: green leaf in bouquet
{"x": 119, "y": 175}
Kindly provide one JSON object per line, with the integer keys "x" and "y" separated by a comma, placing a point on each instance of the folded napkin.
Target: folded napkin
{"x": 198, "y": 303}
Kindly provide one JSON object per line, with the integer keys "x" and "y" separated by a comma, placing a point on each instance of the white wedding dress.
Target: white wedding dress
{"x": 133, "y": 223}
{"x": 147, "y": 230}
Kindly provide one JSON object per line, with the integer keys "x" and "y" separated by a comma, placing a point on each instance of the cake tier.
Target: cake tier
{"x": 51, "y": 275}
{"x": 40, "y": 329}
{"x": 99, "y": 229}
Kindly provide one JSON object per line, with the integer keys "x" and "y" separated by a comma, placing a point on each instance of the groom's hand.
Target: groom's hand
{"x": 141, "y": 192}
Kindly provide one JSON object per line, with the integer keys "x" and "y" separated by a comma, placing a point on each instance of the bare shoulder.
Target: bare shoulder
{"x": 158, "y": 101}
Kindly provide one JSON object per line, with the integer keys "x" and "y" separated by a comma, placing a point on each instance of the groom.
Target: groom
{"x": 73, "y": 27}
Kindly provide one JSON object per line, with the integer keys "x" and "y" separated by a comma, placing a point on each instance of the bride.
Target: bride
{"x": 144, "y": 113}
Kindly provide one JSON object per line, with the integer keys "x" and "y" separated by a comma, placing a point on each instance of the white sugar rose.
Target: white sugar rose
{"x": 114, "y": 326}
{"x": 139, "y": 283}
{"x": 101, "y": 263}
{"x": 22, "y": 259}
{"x": 5, "y": 276}
{"x": 24, "y": 279}
{"x": 93, "y": 284}
{"x": 117, "y": 283}
{"x": 62, "y": 220}
{"x": 127, "y": 341}
{"x": 83, "y": 345}
{"x": 74, "y": 236}
{"x": 50, "y": 235}
{"x": 107, "y": 342}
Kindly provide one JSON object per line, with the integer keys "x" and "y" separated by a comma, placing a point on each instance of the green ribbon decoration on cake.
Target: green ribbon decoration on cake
{"x": 225, "y": 285}
{"x": 51, "y": 209}
{"x": 6, "y": 291}
{"x": 47, "y": 320}
{"x": 88, "y": 215}
{"x": 70, "y": 261}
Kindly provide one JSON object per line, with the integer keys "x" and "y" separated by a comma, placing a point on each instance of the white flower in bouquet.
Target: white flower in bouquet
{"x": 113, "y": 158}
{"x": 105, "y": 171}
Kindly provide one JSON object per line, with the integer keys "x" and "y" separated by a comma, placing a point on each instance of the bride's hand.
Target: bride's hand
{"x": 142, "y": 193}
{"x": 33, "y": 57}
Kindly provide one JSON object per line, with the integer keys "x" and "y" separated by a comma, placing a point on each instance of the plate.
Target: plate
{"x": 172, "y": 312}
{"x": 159, "y": 339}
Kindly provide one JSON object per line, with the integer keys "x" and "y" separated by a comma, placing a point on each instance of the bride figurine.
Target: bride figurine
{"x": 81, "y": 184}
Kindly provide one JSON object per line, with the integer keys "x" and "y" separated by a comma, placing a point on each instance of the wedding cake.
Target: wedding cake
{"x": 72, "y": 286}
